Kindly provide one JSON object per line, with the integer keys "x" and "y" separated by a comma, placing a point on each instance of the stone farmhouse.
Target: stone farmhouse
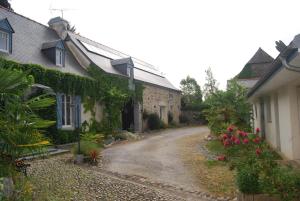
{"x": 26, "y": 41}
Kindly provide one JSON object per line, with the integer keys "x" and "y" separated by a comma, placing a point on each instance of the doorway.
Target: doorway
{"x": 128, "y": 116}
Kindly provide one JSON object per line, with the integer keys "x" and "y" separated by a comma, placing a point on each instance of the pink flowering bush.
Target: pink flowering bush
{"x": 256, "y": 163}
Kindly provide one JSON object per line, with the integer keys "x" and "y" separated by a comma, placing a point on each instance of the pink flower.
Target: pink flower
{"x": 221, "y": 158}
{"x": 258, "y": 151}
{"x": 225, "y": 136}
{"x": 229, "y": 129}
{"x": 233, "y": 138}
{"x": 245, "y": 141}
{"x": 237, "y": 141}
{"x": 226, "y": 142}
{"x": 257, "y": 130}
{"x": 256, "y": 140}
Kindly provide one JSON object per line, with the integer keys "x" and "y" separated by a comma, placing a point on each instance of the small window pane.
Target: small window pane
{"x": 4, "y": 41}
{"x": 59, "y": 57}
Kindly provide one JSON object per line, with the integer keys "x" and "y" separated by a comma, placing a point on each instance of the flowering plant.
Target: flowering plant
{"x": 257, "y": 168}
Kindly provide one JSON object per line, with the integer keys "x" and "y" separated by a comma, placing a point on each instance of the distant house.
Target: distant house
{"x": 276, "y": 100}
{"x": 254, "y": 69}
{"x": 27, "y": 41}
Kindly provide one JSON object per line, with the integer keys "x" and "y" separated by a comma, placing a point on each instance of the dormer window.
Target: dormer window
{"x": 6, "y": 32}
{"x": 55, "y": 51}
{"x": 4, "y": 41}
{"x": 59, "y": 57}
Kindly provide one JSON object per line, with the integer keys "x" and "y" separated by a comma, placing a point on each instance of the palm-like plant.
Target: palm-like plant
{"x": 20, "y": 127}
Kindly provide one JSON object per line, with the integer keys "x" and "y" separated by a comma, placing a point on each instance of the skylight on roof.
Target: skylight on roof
{"x": 113, "y": 54}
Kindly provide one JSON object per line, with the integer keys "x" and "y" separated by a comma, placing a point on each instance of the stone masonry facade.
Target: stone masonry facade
{"x": 162, "y": 101}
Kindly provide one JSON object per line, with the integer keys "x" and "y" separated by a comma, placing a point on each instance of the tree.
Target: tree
{"x": 5, "y": 4}
{"x": 211, "y": 85}
{"x": 228, "y": 107}
{"x": 20, "y": 127}
{"x": 191, "y": 92}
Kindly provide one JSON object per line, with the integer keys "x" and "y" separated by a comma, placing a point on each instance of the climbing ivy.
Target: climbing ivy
{"x": 110, "y": 90}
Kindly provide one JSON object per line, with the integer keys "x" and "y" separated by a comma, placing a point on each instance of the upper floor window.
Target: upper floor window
{"x": 59, "y": 57}
{"x": 6, "y": 32}
{"x": 55, "y": 51}
{"x": 4, "y": 41}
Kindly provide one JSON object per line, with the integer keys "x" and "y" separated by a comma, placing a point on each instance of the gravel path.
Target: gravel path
{"x": 149, "y": 169}
{"x": 156, "y": 158}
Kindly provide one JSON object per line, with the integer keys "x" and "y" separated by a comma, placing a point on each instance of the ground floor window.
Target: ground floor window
{"x": 67, "y": 110}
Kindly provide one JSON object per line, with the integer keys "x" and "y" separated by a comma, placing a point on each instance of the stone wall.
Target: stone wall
{"x": 161, "y": 101}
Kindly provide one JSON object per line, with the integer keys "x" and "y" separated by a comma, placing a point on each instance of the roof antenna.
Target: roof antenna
{"x": 61, "y": 10}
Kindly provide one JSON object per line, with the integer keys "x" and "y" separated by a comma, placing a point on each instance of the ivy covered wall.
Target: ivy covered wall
{"x": 110, "y": 90}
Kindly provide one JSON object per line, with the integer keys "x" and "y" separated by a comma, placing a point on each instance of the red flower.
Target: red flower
{"x": 226, "y": 142}
{"x": 257, "y": 130}
{"x": 225, "y": 136}
{"x": 258, "y": 151}
{"x": 221, "y": 158}
{"x": 229, "y": 129}
{"x": 233, "y": 138}
{"x": 245, "y": 141}
{"x": 256, "y": 140}
{"x": 237, "y": 141}
{"x": 245, "y": 134}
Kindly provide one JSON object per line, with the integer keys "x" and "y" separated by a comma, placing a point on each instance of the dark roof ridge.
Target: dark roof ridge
{"x": 24, "y": 17}
{"x": 260, "y": 56}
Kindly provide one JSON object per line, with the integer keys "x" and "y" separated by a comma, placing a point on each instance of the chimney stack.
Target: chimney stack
{"x": 60, "y": 25}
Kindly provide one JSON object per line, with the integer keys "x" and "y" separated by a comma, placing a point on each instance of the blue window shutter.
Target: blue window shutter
{"x": 59, "y": 110}
{"x": 77, "y": 111}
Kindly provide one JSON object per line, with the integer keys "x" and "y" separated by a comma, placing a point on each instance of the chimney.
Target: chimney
{"x": 60, "y": 25}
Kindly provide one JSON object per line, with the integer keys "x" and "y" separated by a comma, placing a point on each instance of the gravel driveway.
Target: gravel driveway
{"x": 156, "y": 158}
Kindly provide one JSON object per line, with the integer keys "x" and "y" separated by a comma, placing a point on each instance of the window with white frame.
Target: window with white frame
{"x": 67, "y": 111}
{"x": 4, "y": 41}
{"x": 59, "y": 57}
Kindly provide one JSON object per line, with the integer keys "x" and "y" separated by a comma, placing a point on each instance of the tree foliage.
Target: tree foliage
{"x": 20, "y": 126}
{"x": 191, "y": 93}
{"x": 228, "y": 107}
{"x": 211, "y": 85}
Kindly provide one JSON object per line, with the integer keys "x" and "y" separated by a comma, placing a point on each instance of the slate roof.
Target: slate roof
{"x": 31, "y": 37}
{"x": 28, "y": 41}
{"x": 257, "y": 66}
{"x": 103, "y": 55}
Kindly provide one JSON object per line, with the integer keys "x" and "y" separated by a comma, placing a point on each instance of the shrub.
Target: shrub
{"x": 64, "y": 137}
{"x": 248, "y": 180}
{"x": 153, "y": 121}
{"x": 86, "y": 148}
{"x": 183, "y": 119}
{"x": 163, "y": 125}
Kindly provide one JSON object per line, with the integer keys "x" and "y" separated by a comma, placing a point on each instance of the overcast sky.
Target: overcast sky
{"x": 180, "y": 37}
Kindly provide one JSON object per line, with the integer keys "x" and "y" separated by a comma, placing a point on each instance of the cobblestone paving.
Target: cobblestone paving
{"x": 57, "y": 179}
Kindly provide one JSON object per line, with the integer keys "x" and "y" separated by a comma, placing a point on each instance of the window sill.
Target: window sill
{"x": 4, "y": 52}
{"x": 67, "y": 128}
